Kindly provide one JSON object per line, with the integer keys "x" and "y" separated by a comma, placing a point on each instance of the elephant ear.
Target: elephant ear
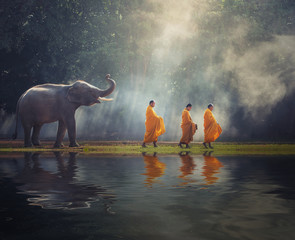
{"x": 74, "y": 95}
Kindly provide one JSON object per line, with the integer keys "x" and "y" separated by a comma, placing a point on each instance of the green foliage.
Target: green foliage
{"x": 53, "y": 41}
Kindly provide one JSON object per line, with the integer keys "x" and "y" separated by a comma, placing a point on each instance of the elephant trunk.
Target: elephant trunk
{"x": 108, "y": 91}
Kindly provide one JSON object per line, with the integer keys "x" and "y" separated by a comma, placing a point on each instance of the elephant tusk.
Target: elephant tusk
{"x": 105, "y": 99}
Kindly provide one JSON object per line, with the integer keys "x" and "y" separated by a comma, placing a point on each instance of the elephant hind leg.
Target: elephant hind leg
{"x": 35, "y": 135}
{"x": 27, "y": 132}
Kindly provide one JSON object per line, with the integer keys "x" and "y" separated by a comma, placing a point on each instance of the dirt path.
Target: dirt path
{"x": 19, "y": 143}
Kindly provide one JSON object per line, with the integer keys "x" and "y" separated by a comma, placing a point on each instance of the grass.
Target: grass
{"x": 134, "y": 148}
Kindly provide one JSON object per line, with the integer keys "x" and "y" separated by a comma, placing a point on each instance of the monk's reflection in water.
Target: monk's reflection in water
{"x": 187, "y": 169}
{"x": 211, "y": 168}
{"x": 154, "y": 169}
{"x": 58, "y": 190}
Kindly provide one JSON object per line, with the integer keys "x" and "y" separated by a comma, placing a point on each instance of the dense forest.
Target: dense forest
{"x": 238, "y": 54}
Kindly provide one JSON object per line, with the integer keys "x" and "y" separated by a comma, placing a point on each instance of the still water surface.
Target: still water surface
{"x": 67, "y": 196}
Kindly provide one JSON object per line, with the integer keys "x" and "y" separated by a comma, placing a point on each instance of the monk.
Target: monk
{"x": 154, "y": 125}
{"x": 188, "y": 127}
{"x": 212, "y": 129}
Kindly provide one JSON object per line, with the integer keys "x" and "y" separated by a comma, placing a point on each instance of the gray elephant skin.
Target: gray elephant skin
{"x": 48, "y": 103}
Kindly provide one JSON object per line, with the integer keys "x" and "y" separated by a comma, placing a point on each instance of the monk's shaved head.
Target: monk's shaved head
{"x": 152, "y": 103}
{"x": 189, "y": 107}
{"x": 211, "y": 106}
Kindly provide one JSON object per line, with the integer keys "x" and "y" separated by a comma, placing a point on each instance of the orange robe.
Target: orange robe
{"x": 212, "y": 129}
{"x": 154, "y": 126}
{"x": 188, "y": 127}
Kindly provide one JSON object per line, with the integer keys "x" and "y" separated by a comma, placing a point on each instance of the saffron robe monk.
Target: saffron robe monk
{"x": 212, "y": 129}
{"x": 188, "y": 127}
{"x": 154, "y": 125}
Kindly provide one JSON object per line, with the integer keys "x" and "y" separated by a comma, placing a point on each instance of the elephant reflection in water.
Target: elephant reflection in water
{"x": 58, "y": 190}
{"x": 211, "y": 167}
{"x": 187, "y": 168}
{"x": 154, "y": 169}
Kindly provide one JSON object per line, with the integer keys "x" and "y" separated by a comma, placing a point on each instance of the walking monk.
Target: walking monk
{"x": 212, "y": 129}
{"x": 154, "y": 125}
{"x": 188, "y": 127}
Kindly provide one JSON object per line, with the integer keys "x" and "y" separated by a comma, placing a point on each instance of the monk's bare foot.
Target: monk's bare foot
{"x": 155, "y": 144}
{"x": 210, "y": 146}
{"x": 143, "y": 145}
{"x": 205, "y": 145}
{"x": 187, "y": 146}
{"x": 179, "y": 145}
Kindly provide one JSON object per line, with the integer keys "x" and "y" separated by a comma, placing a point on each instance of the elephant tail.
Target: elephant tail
{"x": 14, "y": 136}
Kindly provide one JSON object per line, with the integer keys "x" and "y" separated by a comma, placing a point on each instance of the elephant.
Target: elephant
{"x": 49, "y": 103}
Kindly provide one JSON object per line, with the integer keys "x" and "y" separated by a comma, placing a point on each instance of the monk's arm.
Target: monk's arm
{"x": 209, "y": 117}
{"x": 155, "y": 115}
{"x": 187, "y": 118}
{"x": 212, "y": 118}
{"x": 152, "y": 114}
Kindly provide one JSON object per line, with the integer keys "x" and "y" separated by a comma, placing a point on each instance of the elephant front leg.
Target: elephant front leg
{"x": 60, "y": 134}
{"x": 71, "y": 125}
{"x": 35, "y": 135}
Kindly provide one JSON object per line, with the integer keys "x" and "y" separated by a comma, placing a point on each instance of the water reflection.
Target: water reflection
{"x": 247, "y": 198}
{"x": 154, "y": 169}
{"x": 211, "y": 167}
{"x": 57, "y": 190}
{"x": 187, "y": 169}
{"x": 207, "y": 174}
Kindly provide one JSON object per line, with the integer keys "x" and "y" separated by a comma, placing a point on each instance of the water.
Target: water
{"x": 55, "y": 196}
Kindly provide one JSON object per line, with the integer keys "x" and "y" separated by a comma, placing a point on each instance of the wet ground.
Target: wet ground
{"x": 70, "y": 196}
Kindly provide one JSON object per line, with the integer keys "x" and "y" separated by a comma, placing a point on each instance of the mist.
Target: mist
{"x": 255, "y": 82}
{"x": 184, "y": 59}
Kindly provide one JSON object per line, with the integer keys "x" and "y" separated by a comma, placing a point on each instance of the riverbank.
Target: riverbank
{"x": 133, "y": 148}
